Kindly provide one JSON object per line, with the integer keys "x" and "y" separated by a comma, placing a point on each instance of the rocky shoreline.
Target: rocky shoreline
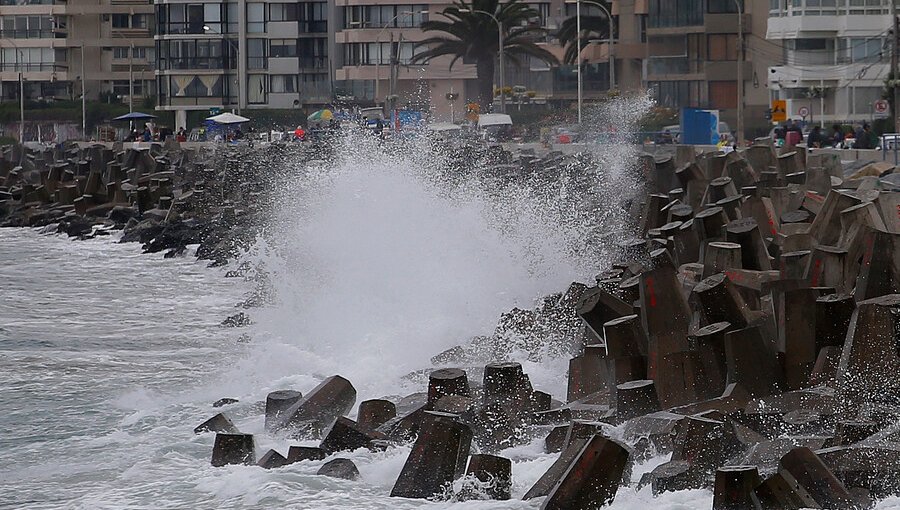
{"x": 749, "y": 331}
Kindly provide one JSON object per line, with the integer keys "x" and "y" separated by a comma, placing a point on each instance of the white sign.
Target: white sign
{"x": 803, "y": 112}
{"x": 881, "y": 108}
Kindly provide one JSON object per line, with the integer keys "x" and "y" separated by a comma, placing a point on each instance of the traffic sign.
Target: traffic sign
{"x": 779, "y": 110}
{"x": 881, "y": 107}
{"x": 803, "y": 112}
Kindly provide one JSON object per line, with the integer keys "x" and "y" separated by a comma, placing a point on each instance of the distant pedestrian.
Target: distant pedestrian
{"x": 862, "y": 137}
{"x": 837, "y": 136}
{"x": 815, "y": 140}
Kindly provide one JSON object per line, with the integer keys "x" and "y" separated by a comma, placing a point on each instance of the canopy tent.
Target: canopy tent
{"x": 227, "y": 118}
{"x": 135, "y": 116}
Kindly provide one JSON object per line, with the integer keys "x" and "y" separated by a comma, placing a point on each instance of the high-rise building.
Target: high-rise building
{"x": 280, "y": 48}
{"x": 831, "y": 57}
{"x": 65, "y": 47}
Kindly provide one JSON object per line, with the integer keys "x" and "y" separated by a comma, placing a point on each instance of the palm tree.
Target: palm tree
{"x": 592, "y": 27}
{"x": 472, "y": 36}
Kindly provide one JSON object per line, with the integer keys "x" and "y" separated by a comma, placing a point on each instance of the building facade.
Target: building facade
{"x": 66, "y": 48}
{"x": 831, "y": 57}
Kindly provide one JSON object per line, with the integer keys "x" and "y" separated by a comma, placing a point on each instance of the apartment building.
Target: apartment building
{"x": 66, "y": 48}
{"x": 831, "y": 57}
{"x": 281, "y": 49}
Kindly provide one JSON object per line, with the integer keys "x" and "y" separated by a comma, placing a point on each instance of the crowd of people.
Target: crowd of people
{"x": 860, "y": 137}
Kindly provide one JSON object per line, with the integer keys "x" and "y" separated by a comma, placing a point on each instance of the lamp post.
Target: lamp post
{"x": 740, "y": 74}
{"x": 83, "y": 96}
{"x": 501, "y": 60}
{"x": 131, "y": 79}
{"x": 21, "y": 91}
{"x": 612, "y": 38}
{"x": 378, "y": 42}
{"x": 237, "y": 87}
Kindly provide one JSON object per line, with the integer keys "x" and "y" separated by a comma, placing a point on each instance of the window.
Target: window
{"x": 26, "y": 27}
{"x": 675, "y": 13}
{"x": 865, "y": 50}
{"x": 283, "y": 83}
{"x": 123, "y": 88}
{"x": 231, "y": 15}
{"x": 282, "y": 48}
{"x": 120, "y": 52}
{"x": 723, "y": 94}
{"x": 139, "y": 21}
{"x": 212, "y": 17}
{"x": 256, "y": 18}
{"x": 313, "y": 53}
{"x": 313, "y": 17}
{"x": 283, "y": 12}
{"x": 543, "y": 13}
{"x": 32, "y": 59}
{"x": 256, "y": 89}
{"x": 724, "y": 6}
{"x": 120, "y": 21}
{"x": 256, "y": 54}
{"x": 316, "y": 85}
{"x": 722, "y": 47}
{"x": 378, "y": 53}
{"x": 864, "y": 99}
{"x": 679, "y": 94}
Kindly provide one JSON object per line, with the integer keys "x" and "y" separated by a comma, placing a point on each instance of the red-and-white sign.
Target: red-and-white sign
{"x": 881, "y": 106}
{"x": 803, "y": 112}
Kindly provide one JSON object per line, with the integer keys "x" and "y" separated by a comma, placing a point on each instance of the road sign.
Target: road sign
{"x": 881, "y": 108}
{"x": 779, "y": 110}
{"x": 803, "y": 111}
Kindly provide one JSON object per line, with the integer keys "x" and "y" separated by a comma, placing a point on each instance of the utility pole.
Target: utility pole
{"x": 894, "y": 63}
{"x": 131, "y": 80}
{"x": 83, "y": 97}
{"x": 740, "y": 75}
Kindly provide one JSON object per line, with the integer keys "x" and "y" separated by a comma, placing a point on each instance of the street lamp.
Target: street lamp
{"x": 21, "y": 91}
{"x": 501, "y": 60}
{"x": 377, "y": 42}
{"x": 612, "y": 38}
{"x": 740, "y": 73}
{"x": 237, "y": 88}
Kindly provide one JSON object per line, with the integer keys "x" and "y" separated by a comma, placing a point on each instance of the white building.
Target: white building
{"x": 835, "y": 56}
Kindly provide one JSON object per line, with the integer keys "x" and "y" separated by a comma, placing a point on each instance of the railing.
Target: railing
{"x": 674, "y": 65}
{"x": 198, "y": 63}
{"x": 313, "y": 62}
{"x": 38, "y": 33}
{"x": 33, "y": 67}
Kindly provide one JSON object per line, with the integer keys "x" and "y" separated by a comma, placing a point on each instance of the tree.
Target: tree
{"x": 592, "y": 27}
{"x": 472, "y": 36}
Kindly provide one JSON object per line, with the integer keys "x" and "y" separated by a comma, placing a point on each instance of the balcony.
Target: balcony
{"x": 197, "y": 63}
{"x": 130, "y": 33}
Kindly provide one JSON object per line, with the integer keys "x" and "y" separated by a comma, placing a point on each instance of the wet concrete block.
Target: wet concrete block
{"x": 709, "y": 343}
{"x": 719, "y": 188}
{"x": 752, "y": 362}
{"x": 455, "y": 404}
{"x": 680, "y": 379}
{"x": 825, "y": 369}
{"x": 551, "y": 477}
{"x": 447, "y": 381}
{"x": 709, "y": 224}
{"x": 829, "y": 266}
{"x": 854, "y": 221}
{"x": 826, "y": 227}
{"x": 833, "y": 314}
{"x": 375, "y": 413}
{"x": 218, "y": 423}
{"x": 589, "y": 373}
{"x": 506, "y": 383}
{"x": 782, "y": 492}
{"x": 686, "y": 243}
{"x": 233, "y": 449}
{"x": 793, "y": 264}
{"x": 658, "y": 429}
{"x": 754, "y": 252}
{"x": 797, "y": 334}
{"x": 437, "y": 458}
{"x": 704, "y": 443}
{"x": 848, "y": 432}
{"x": 636, "y": 398}
{"x": 624, "y": 337}
{"x": 870, "y": 362}
{"x": 271, "y": 460}
{"x": 818, "y": 480}
{"x": 879, "y": 274}
{"x": 597, "y": 307}
{"x": 734, "y": 486}
{"x": 673, "y": 476}
{"x": 404, "y": 426}
{"x": 277, "y": 402}
{"x": 339, "y": 468}
{"x": 494, "y": 471}
{"x": 345, "y": 434}
{"x": 871, "y": 465}
{"x": 721, "y": 256}
{"x": 299, "y": 453}
{"x": 332, "y": 398}
{"x": 556, "y": 439}
{"x": 592, "y": 478}
{"x": 720, "y": 301}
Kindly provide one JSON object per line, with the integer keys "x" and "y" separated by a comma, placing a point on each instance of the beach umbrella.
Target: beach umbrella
{"x": 227, "y": 118}
{"x": 321, "y": 115}
{"x": 135, "y": 116}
